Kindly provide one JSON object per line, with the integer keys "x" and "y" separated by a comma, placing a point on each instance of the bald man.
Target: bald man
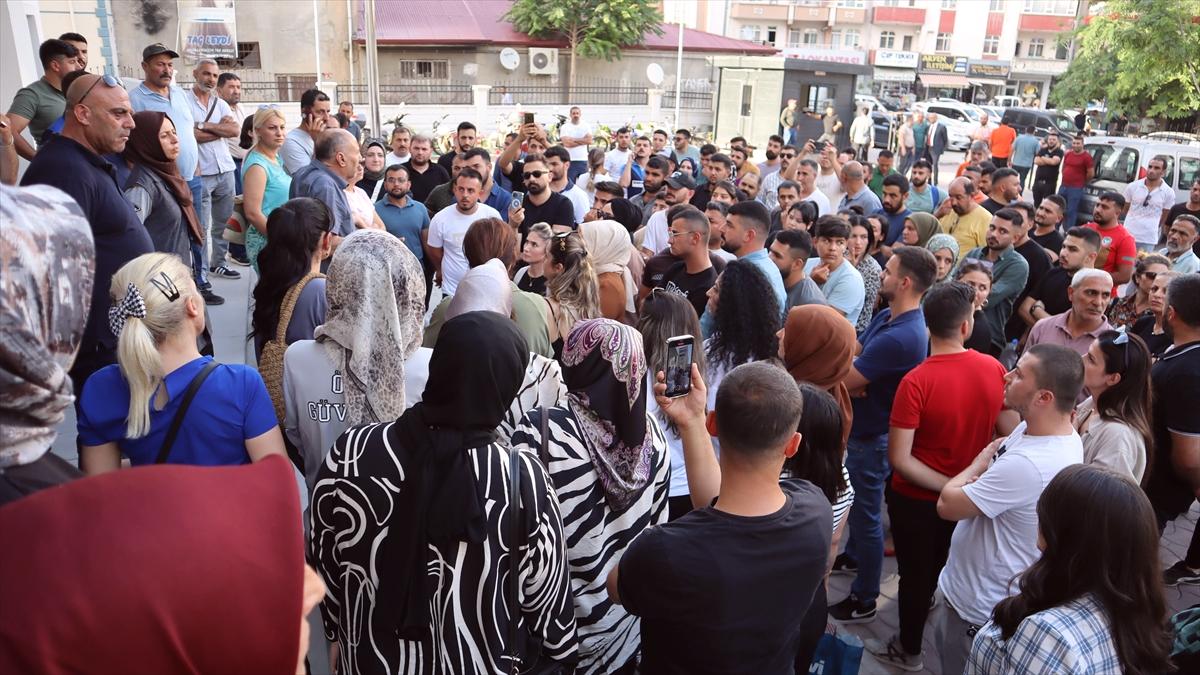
{"x": 98, "y": 119}
{"x": 335, "y": 161}
{"x": 857, "y": 192}
{"x": 966, "y": 221}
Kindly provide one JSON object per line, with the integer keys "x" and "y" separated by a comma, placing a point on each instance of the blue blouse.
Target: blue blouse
{"x": 231, "y": 407}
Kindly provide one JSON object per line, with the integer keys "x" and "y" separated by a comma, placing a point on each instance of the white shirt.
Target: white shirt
{"x": 830, "y": 186}
{"x": 235, "y": 149}
{"x": 214, "y": 155}
{"x": 615, "y": 161}
{"x": 860, "y": 129}
{"x": 1142, "y": 221}
{"x": 579, "y": 199}
{"x": 656, "y": 239}
{"x": 817, "y": 197}
{"x": 393, "y": 158}
{"x": 569, "y": 129}
{"x": 446, "y": 231}
{"x": 987, "y": 551}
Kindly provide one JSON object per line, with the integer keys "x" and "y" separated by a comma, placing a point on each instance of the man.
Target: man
{"x": 659, "y": 141}
{"x": 1010, "y": 271}
{"x": 904, "y": 143}
{"x": 831, "y": 124}
{"x": 616, "y": 159}
{"x": 1004, "y": 190}
{"x": 806, "y": 178}
{"x": 450, "y": 225}
{"x": 214, "y": 124}
{"x": 678, "y": 189}
{"x": 857, "y": 192}
{"x": 493, "y": 195}
{"x": 334, "y": 164}
{"x": 983, "y": 132}
{"x": 443, "y": 195}
{"x": 894, "y": 189}
{"x": 1048, "y": 221}
{"x": 1024, "y": 148}
{"x": 882, "y": 169}
{"x": 829, "y": 181}
{"x": 1052, "y": 295}
{"x": 684, "y": 148}
{"x": 938, "y": 140}
{"x": 706, "y": 152}
{"x": 685, "y": 268}
{"x": 1077, "y": 169}
{"x": 1035, "y": 256}
{"x": 1002, "y": 139}
{"x": 746, "y": 231}
{"x": 424, "y": 174}
{"x": 300, "y": 143}
{"x": 920, "y": 136}
{"x": 717, "y": 213}
{"x": 403, "y": 216}
{"x": 40, "y": 104}
{"x": 464, "y": 140}
{"x": 606, "y": 191}
{"x": 346, "y": 108}
{"x": 1147, "y": 203}
{"x": 1090, "y": 291}
{"x": 576, "y": 136}
{"x": 994, "y": 500}
{"x": 727, "y": 587}
{"x": 1181, "y": 238}
{"x": 657, "y": 170}
{"x": 773, "y": 151}
{"x": 1045, "y": 175}
{"x": 838, "y": 279}
{"x": 923, "y": 196}
{"x": 741, "y": 164}
{"x": 557, "y": 161}
{"x": 401, "y": 138}
{"x": 789, "y": 193}
{"x": 633, "y": 176}
{"x": 229, "y": 88}
{"x": 977, "y": 154}
{"x": 787, "y": 121}
{"x": 99, "y": 118}
{"x": 944, "y": 410}
{"x": 862, "y": 129}
{"x": 894, "y": 343}
{"x": 768, "y": 192}
{"x": 541, "y": 204}
{"x": 81, "y": 45}
{"x": 790, "y": 252}
{"x": 967, "y": 221}
{"x": 1191, "y": 207}
{"x": 719, "y": 168}
{"x": 1118, "y": 251}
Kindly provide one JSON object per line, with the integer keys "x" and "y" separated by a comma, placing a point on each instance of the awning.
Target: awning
{"x": 883, "y": 74}
{"x": 944, "y": 80}
{"x": 982, "y": 82}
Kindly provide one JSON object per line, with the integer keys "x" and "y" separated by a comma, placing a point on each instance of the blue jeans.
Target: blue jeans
{"x": 867, "y": 462}
{"x": 199, "y": 273}
{"x": 577, "y": 169}
{"x": 237, "y": 177}
{"x": 1072, "y": 195}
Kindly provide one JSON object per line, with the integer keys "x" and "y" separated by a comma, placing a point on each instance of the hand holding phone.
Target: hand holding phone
{"x": 518, "y": 199}
{"x": 679, "y": 365}
{"x": 527, "y": 118}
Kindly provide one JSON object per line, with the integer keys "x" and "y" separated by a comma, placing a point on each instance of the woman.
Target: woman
{"x": 1093, "y": 603}
{"x": 596, "y": 173}
{"x": 1114, "y": 421}
{"x": 1152, "y": 327}
{"x": 918, "y": 228}
{"x": 979, "y": 277}
{"x": 944, "y": 248}
{"x": 159, "y": 195}
{"x": 126, "y": 409}
{"x": 265, "y": 184}
{"x": 749, "y": 185}
{"x": 725, "y": 192}
{"x": 374, "y": 155}
{"x": 867, "y": 266}
{"x": 1125, "y": 311}
{"x": 225, "y": 537}
{"x": 303, "y": 226}
{"x": 352, "y": 372}
{"x": 608, "y": 463}
{"x": 413, "y": 524}
{"x": 801, "y": 216}
{"x": 361, "y": 207}
{"x": 609, "y": 250}
{"x": 531, "y": 278}
{"x": 574, "y": 293}
{"x": 667, "y": 315}
{"x": 688, "y": 167}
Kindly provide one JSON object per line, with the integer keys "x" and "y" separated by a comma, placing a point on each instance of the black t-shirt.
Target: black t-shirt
{"x": 981, "y": 336}
{"x": 1051, "y": 242}
{"x": 423, "y": 183}
{"x": 1052, "y": 290}
{"x": 1174, "y": 381}
{"x": 557, "y": 210}
{"x": 532, "y": 284}
{"x": 1048, "y": 174}
{"x": 719, "y": 593}
{"x": 701, "y": 196}
{"x": 670, "y": 273}
{"x": 992, "y": 205}
{"x": 1039, "y": 265}
{"x": 446, "y": 161}
{"x": 1143, "y": 327}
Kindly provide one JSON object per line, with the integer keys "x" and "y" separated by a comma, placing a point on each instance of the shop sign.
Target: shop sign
{"x": 891, "y": 58}
{"x": 851, "y": 56}
{"x": 991, "y": 69}
{"x": 943, "y": 63}
{"x": 207, "y": 29}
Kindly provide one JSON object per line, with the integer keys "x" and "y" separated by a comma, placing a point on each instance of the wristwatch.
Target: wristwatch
{"x": 200, "y": 126}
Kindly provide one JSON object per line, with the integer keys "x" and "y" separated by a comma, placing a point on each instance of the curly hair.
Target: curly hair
{"x": 746, "y": 318}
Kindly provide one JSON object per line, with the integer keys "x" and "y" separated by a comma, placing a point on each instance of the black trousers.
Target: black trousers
{"x": 1040, "y": 190}
{"x": 922, "y": 541}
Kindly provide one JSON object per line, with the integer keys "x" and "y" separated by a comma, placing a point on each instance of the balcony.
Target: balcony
{"x": 1045, "y": 23}
{"x": 845, "y": 15}
{"x": 905, "y": 16}
{"x": 803, "y": 14}
{"x": 749, "y": 11}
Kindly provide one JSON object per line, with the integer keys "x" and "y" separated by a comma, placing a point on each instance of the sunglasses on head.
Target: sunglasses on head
{"x": 108, "y": 80}
{"x": 534, "y": 174}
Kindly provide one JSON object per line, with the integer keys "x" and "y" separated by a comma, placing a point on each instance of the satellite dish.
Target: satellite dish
{"x": 654, "y": 73}
{"x": 510, "y": 58}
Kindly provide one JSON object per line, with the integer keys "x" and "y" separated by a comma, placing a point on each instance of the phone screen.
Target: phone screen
{"x": 679, "y": 365}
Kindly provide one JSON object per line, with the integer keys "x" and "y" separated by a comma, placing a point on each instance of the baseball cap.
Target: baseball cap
{"x": 156, "y": 49}
{"x": 681, "y": 180}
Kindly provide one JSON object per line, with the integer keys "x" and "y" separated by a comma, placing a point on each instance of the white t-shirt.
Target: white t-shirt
{"x": 393, "y": 158}
{"x": 615, "y": 161}
{"x": 989, "y": 551}
{"x": 830, "y": 186}
{"x": 656, "y": 239}
{"x": 1142, "y": 221}
{"x": 446, "y": 231}
{"x": 817, "y": 197}
{"x": 579, "y": 199}
{"x": 679, "y": 483}
{"x": 578, "y": 153}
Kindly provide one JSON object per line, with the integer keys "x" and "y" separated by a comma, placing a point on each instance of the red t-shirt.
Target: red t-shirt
{"x": 952, "y": 400}
{"x": 1117, "y": 247}
{"x": 1075, "y": 166}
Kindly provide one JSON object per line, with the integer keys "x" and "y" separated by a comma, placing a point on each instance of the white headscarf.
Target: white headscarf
{"x": 483, "y": 288}
{"x": 608, "y": 244}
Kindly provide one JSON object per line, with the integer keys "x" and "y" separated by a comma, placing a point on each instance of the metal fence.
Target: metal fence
{"x": 413, "y": 94}
{"x": 563, "y": 95}
{"x": 689, "y": 100}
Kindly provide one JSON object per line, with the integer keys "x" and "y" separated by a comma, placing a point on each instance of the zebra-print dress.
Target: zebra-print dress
{"x": 352, "y": 503}
{"x": 596, "y": 535}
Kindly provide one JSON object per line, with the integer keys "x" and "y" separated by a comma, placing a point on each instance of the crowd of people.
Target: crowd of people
{"x": 497, "y": 481}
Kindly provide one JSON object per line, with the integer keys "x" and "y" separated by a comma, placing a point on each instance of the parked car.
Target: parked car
{"x": 1006, "y": 101}
{"x": 960, "y": 119}
{"x": 1044, "y": 122}
{"x": 882, "y": 129}
{"x": 994, "y": 112}
{"x": 1120, "y": 161}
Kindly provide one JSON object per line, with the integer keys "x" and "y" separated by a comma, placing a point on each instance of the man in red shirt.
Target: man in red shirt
{"x": 944, "y": 413}
{"x": 1002, "y": 144}
{"x": 1118, "y": 250}
{"x": 1077, "y": 169}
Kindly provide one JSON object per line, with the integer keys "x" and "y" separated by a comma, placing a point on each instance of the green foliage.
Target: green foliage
{"x": 1142, "y": 56}
{"x": 595, "y": 29}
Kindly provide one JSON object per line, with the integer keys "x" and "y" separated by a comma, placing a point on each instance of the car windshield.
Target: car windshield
{"x": 1115, "y": 164}
{"x": 1064, "y": 124}
{"x": 972, "y": 113}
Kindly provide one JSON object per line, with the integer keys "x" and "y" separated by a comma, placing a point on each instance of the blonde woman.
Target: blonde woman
{"x": 574, "y": 293}
{"x": 129, "y": 410}
{"x": 265, "y": 184}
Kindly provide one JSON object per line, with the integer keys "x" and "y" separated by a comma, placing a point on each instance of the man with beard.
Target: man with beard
{"x": 806, "y": 178}
{"x": 768, "y": 192}
{"x": 39, "y": 105}
{"x": 558, "y": 162}
{"x": 464, "y": 140}
{"x": 685, "y": 268}
{"x": 1010, "y": 271}
{"x": 1180, "y": 239}
{"x": 1046, "y": 219}
{"x": 541, "y": 205}
{"x": 1079, "y": 250}
{"x": 923, "y": 196}
{"x": 1045, "y": 174}
{"x": 718, "y": 168}
{"x": 789, "y": 193}
{"x": 1005, "y": 189}
{"x": 214, "y": 123}
{"x": 856, "y": 191}
{"x": 448, "y": 228}
{"x": 774, "y": 162}
{"x": 404, "y": 216}
{"x": 424, "y": 174}
{"x": 746, "y": 230}
{"x": 967, "y": 222}
{"x": 678, "y": 189}
{"x": 1118, "y": 250}
{"x": 576, "y": 135}
{"x": 657, "y": 170}
{"x": 1039, "y": 265}
{"x": 884, "y": 167}
{"x": 633, "y": 174}
{"x": 401, "y": 138}
{"x": 895, "y": 195}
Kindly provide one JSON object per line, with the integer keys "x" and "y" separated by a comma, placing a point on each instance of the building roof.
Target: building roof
{"x": 438, "y": 23}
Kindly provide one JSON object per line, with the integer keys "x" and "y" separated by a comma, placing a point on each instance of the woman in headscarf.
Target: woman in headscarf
{"x": 374, "y": 154}
{"x": 353, "y": 371}
{"x": 609, "y": 248}
{"x": 159, "y": 195}
{"x": 413, "y": 524}
{"x": 186, "y": 571}
{"x": 608, "y": 462}
{"x": 945, "y": 252}
{"x": 918, "y": 229}
{"x": 47, "y": 264}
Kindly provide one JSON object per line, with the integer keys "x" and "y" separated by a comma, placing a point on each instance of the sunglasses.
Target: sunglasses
{"x": 1150, "y": 276}
{"x": 534, "y": 174}
{"x": 108, "y": 80}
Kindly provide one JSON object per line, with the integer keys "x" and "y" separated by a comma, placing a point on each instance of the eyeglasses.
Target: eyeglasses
{"x": 534, "y": 174}
{"x": 672, "y": 235}
{"x": 108, "y": 80}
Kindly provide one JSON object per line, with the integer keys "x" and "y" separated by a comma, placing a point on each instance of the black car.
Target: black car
{"x": 882, "y": 128}
{"x": 1044, "y": 122}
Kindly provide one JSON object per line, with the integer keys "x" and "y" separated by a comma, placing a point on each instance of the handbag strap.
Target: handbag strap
{"x": 544, "y": 450}
{"x": 514, "y": 564}
{"x": 188, "y": 395}
{"x": 289, "y": 304}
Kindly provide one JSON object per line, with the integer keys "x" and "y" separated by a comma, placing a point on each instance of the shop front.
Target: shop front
{"x": 1031, "y": 78}
{"x": 820, "y": 83}
{"x": 988, "y": 79}
{"x": 942, "y": 76}
{"x": 893, "y": 74}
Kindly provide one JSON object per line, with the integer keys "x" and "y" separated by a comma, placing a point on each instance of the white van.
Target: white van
{"x": 960, "y": 119}
{"x": 1120, "y": 161}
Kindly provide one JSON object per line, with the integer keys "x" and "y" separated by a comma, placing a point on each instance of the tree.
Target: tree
{"x": 1141, "y": 56}
{"x": 596, "y": 29}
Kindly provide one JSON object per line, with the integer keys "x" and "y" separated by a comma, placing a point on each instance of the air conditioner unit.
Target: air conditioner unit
{"x": 543, "y": 61}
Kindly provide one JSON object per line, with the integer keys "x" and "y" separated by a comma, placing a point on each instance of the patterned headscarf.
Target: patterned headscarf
{"x": 604, "y": 368}
{"x": 940, "y": 241}
{"x": 47, "y": 268}
{"x": 376, "y": 295}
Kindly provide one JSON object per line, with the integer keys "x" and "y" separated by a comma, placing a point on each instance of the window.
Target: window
{"x": 852, "y": 39}
{"x": 818, "y": 95}
{"x": 1189, "y": 171}
{"x": 1059, "y": 7}
{"x": 1037, "y": 46}
{"x": 248, "y": 56}
{"x": 747, "y": 98}
{"x": 996, "y": 6}
{"x": 425, "y": 70}
{"x": 835, "y": 38}
{"x": 1115, "y": 164}
{"x": 949, "y": 4}
{"x": 887, "y": 39}
{"x": 1062, "y": 51}
{"x": 943, "y": 43}
{"x": 991, "y": 45}
{"x": 852, "y": 3}
{"x": 811, "y": 37}
{"x": 752, "y": 32}
{"x": 772, "y": 32}
{"x": 793, "y": 38}
{"x": 908, "y": 43}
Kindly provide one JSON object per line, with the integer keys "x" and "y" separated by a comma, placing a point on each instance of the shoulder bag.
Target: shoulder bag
{"x": 177, "y": 422}
{"x": 270, "y": 363}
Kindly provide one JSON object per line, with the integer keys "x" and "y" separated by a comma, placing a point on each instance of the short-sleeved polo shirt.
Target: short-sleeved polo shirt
{"x": 41, "y": 103}
{"x": 178, "y": 106}
{"x": 890, "y": 348}
{"x": 406, "y": 222}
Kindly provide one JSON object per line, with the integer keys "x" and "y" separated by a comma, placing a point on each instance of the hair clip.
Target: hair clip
{"x": 166, "y": 286}
{"x": 132, "y": 304}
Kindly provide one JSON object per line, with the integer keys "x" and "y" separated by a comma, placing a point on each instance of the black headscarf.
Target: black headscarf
{"x": 626, "y": 213}
{"x": 477, "y": 367}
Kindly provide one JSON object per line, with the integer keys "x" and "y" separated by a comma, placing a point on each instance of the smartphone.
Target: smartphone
{"x": 518, "y": 200}
{"x": 528, "y": 118}
{"x": 679, "y": 365}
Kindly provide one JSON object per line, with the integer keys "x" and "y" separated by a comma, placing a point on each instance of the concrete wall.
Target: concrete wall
{"x": 76, "y": 16}
{"x": 20, "y": 35}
